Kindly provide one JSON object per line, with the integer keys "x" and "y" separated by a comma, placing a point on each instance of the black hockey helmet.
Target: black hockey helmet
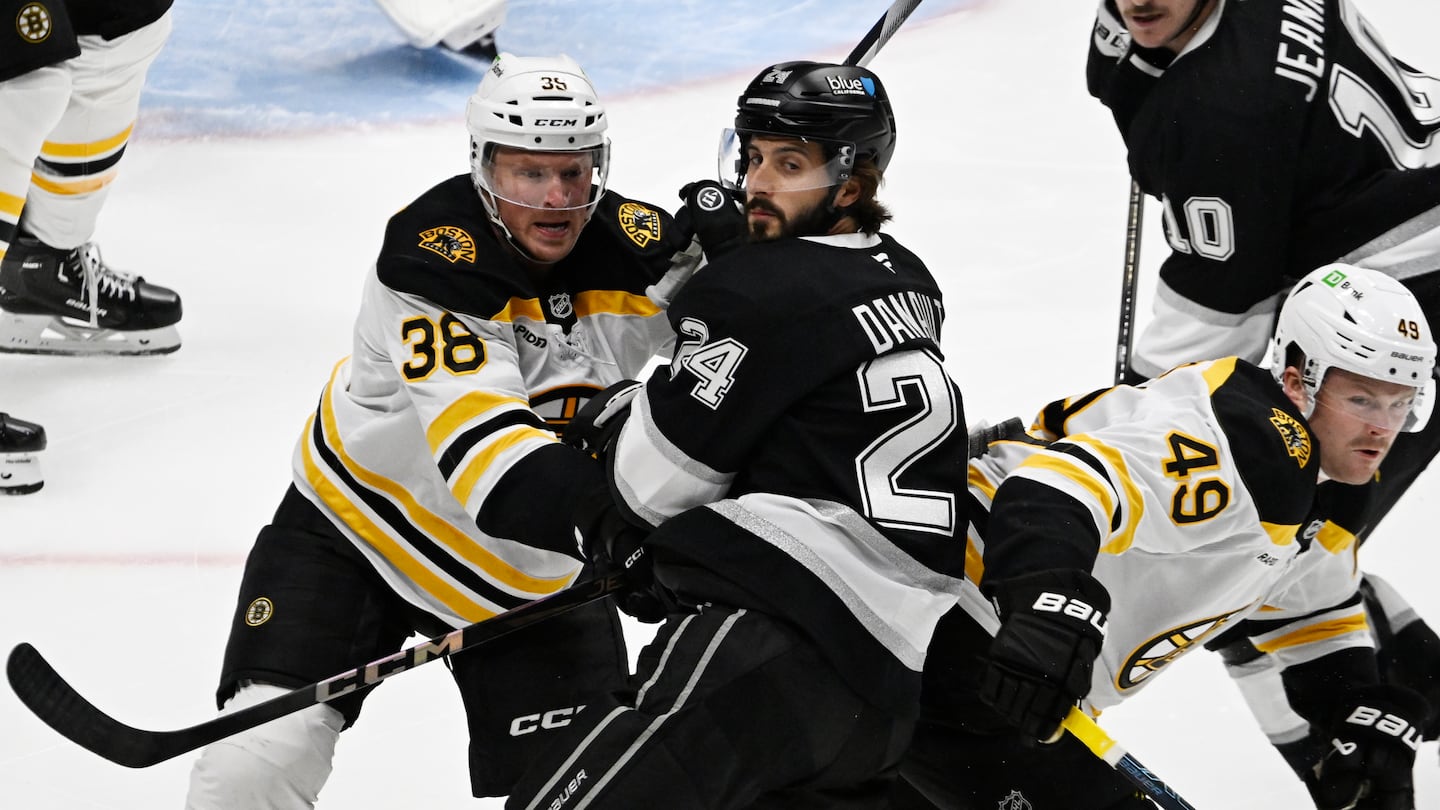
{"x": 822, "y": 102}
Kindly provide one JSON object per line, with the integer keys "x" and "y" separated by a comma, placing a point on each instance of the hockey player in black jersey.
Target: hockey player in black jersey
{"x": 802, "y": 458}
{"x": 1279, "y": 136}
{"x": 1133, "y": 524}
{"x": 430, "y": 488}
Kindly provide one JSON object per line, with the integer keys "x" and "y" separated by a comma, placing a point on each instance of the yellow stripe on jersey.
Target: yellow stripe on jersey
{"x": 1281, "y": 534}
{"x": 1334, "y": 538}
{"x": 613, "y": 302}
{"x": 10, "y": 205}
{"x": 85, "y": 150}
{"x": 1134, "y": 501}
{"x": 465, "y": 483}
{"x": 463, "y": 410}
{"x": 974, "y": 561}
{"x": 381, "y": 541}
{"x": 83, "y": 186}
{"x": 520, "y": 308}
{"x": 1075, "y": 471}
{"x": 1218, "y": 372}
{"x": 434, "y": 526}
{"x": 1316, "y": 632}
{"x": 977, "y": 479}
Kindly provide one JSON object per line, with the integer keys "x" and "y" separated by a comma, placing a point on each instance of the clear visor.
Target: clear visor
{"x": 758, "y": 161}
{"x": 1406, "y": 413}
{"x": 557, "y": 181}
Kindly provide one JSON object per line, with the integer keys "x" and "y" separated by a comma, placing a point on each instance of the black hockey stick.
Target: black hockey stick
{"x": 53, "y": 700}
{"x": 881, "y": 32}
{"x": 1125, "y": 339}
{"x": 1104, "y": 746}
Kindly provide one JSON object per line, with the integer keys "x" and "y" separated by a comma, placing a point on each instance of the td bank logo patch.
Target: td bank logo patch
{"x": 639, "y": 223}
{"x": 449, "y": 241}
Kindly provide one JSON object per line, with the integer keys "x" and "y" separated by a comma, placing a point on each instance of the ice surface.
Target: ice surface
{"x": 1008, "y": 180}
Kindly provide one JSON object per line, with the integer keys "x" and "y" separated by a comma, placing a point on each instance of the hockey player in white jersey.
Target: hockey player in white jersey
{"x": 430, "y": 488}
{"x": 70, "y": 82}
{"x": 1133, "y": 524}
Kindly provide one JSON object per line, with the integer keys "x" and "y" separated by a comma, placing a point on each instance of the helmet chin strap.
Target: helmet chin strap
{"x": 1189, "y": 21}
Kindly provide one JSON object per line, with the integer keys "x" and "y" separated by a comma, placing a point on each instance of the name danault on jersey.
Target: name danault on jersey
{"x": 897, "y": 318}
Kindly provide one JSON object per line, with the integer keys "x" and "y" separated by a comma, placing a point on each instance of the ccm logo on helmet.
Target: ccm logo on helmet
{"x": 556, "y": 122}
{"x": 555, "y": 718}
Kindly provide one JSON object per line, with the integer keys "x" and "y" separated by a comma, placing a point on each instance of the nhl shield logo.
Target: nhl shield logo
{"x": 641, "y": 224}
{"x": 560, "y": 305}
{"x": 1015, "y": 801}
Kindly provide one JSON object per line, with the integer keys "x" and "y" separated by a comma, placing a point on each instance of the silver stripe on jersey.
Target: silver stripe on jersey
{"x": 895, "y": 598}
{"x": 1410, "y": 249}
{"x": 656, "y": 479}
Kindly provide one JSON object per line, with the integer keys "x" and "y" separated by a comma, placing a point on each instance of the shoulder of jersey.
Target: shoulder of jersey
{"x": 441, "y": 248}
{"x": 1274, "y": 451}
{"x": 627, "y": 244}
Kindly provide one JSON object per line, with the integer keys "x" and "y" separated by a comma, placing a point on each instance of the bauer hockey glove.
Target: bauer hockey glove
{"x": 713, "y": 214}
{"x": 1039, "y": 663}
{"x": 1372, "y": 752}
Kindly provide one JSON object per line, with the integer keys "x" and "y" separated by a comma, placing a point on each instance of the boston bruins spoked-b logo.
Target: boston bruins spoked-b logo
{"x": 1155, "y": 654}
{"x": 259, "y": 611}
{"x": 641, "y": 224}
{"x": 34, "y": 23}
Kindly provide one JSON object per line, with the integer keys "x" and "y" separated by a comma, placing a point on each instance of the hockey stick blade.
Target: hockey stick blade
{"x": 1104, "y": 746}
{"x": 880, "y": 32}
{"x": 56, "y": 702}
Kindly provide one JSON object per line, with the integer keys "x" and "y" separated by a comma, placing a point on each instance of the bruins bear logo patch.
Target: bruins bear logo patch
{"x": 1297, "y": 440}
{"x": 641, "y": 224}
{"x": 449, "y": 241}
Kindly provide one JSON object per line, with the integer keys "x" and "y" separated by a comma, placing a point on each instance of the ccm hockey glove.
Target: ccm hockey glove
{"x": 1372, "y": 752}
{"x": 1039, "y": 664}
{"x": 713, "y": 214}
{"x": 613, "y": 544}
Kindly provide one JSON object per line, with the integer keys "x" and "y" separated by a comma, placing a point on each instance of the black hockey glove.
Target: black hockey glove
{"x": 1372, "y": 752}
{"x": 1039, "y": 664}
{"x": 714, "y": 214}
{"x": 613, "y": 544}
{"x": 595, "y": 427}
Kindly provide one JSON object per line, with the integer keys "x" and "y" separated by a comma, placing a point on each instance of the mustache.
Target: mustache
{"x": 762, "y": 204}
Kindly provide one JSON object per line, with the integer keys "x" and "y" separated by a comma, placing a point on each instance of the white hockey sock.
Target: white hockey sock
{"x": 279, "y": 766}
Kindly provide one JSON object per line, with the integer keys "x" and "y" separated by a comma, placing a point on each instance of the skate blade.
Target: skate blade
{"x": 44, "y": 334}
{"x": 20, "y": 474}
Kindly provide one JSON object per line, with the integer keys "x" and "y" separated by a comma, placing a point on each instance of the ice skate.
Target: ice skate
{"x": 20, "y": 446}
{"x": 55, "y": 301}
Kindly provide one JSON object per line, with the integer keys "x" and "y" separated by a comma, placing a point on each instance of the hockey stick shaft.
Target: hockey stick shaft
{"x": 1125, "y": 337}
{"x": 1104, "y": 746}
{"x": 881, "y": 32}
{"x": 1078, "y": 723}
{"x": 54, "y": 701}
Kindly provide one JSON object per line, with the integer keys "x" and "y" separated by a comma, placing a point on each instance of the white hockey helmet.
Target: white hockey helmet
{"x": 536, "y": 104}
{"x": 1363, "y": 321}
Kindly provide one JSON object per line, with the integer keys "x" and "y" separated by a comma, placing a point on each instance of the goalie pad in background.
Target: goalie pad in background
{"x": 457, "y": 23}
